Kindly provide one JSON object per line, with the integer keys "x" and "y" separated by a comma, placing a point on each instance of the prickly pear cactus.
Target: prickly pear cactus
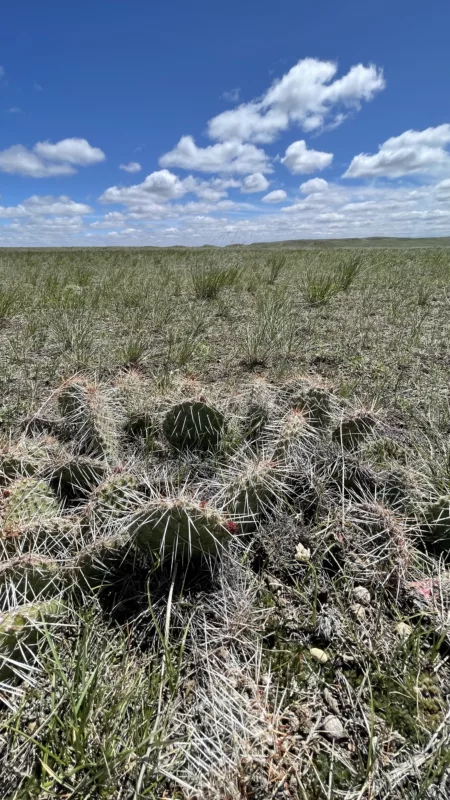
{"x": 293, "y": 437}
{"x": 74, "y": 478}
{"x": 437, "y": 516}
{"x": 319, "y": 405}
{"x": 178, "y": 529}
{"x": 26, "y": 457}
{"x": 20, "y": 630}
{"x": 28, "y": 500}
{"x": 115, "y": 497}
{"x": 260, "y": 410}
{"x": 53, "y": 536}
{"x": 27, "y": 578}
{"x": 93, "y": 417}
{"x": 250, "y": 491}
{"x": 194, "y": 426}
{"x": 310, "y": 394}
{"x": 351, "y": 432}
{"x": 95, "y": 566}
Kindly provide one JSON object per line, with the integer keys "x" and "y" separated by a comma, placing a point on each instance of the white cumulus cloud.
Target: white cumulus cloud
{"x": 18, "y": 160}
{"x": 70, "y": 151}
{"x": 133, "y": 166}
{"x": 309, "y": 95}
{"x": 254, "y": 183}
{"x": 277, "y": 196}
{"x": 314, "y": 185}
{"x": 149, "y": 198}
{"x": 45, "y": 205}
{"x": 159, "y": 186}
{"x": 225, "y": 157}
{"x": 411, "y": 152}
{"x": 299, "y": 159}
{"x": 46, "y": 160}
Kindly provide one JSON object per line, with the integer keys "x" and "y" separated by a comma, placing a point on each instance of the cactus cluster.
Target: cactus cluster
{"x": 77, "y": 513}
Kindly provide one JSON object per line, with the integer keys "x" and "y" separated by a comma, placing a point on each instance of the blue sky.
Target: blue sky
{"x": 188, "y": 123}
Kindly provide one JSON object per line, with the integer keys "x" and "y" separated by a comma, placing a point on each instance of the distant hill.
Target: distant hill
{"x": 372, "y": 241}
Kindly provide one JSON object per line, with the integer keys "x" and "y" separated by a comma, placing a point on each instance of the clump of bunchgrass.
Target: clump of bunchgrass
{"x": 210, "y": 278}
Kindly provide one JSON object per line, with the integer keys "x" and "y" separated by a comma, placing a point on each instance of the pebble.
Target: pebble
{"x": 403, "y": 630}
{"x": 331, "y": 701}
{"x": 358, "y": 611}
{"x": 362, "y": 595}
{"x": 334, "y": 728}
{"x": 302, "y": 554}
{"x": 319, "y": 655}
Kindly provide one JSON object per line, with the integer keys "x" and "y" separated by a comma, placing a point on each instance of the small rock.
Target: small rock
{"x": 302, "y": 554}
{"x": 331, "y": 701}
{"x": 333, "y": 728}
{"x": 403, "y": 630}
{"x": 358, "y": 611}
{"x": 319, "y": 655}
{"x": 362, "y": 595}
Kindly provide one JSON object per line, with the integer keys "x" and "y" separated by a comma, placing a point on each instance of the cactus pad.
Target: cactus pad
{"x": 251, "y": 490}
{"x": 47, "y": 536}
{"x": 25, "y": 458}
{"x": 293, "y": 437}
{"x": 115, "y": 497}
{"x": 179, "y": 529}
{"x": 437, "y": 516}
{"x": 93, "y": 417}
{"x": 28, "y": 577}
{"x": 194, "y": 426}
{"x": 28, "y": 500}
{"x": 353, "y": 430}
{"x": 20, "y": 630}
{"x": 74, "y": 478}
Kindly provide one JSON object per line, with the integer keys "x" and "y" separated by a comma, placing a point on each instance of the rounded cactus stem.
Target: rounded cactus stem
{"x": 28, "y": 577}
{"x": 194, "y": 426}
{"x": 437, "y": 516}
{"x": 20, "y": 630}
{"x": 351, "y": 432}
{"x": 28, "y": 500}
{"x": 93, "y": 417}
{"x": 180, "y": 529}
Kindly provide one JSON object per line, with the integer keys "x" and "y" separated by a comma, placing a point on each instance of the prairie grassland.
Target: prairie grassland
{"x": 308, "y": 658}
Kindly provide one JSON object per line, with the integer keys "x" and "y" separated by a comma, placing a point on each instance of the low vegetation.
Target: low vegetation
{"x": 225, "y": 523}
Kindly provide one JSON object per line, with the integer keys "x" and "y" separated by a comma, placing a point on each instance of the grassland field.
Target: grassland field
{"x": 265, "y": 670}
